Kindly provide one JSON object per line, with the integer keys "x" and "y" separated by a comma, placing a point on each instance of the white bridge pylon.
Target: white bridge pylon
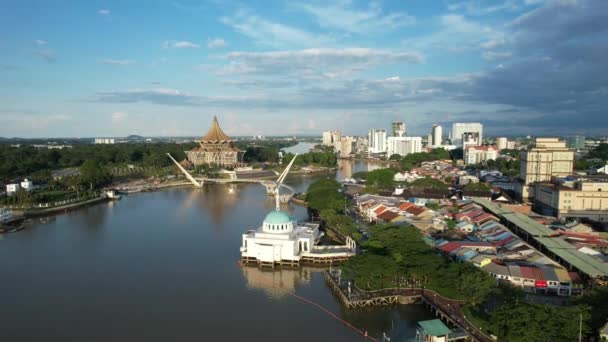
{"x": 187, "y": 174}
{"x": 280, "y": 181}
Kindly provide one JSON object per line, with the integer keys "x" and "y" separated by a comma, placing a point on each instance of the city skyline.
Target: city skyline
{"x": 165, "y": 69}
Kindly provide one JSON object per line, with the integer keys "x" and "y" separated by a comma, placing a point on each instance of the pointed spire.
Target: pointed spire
{"x": 215, "y": 133}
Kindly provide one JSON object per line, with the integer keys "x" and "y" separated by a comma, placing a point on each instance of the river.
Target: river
{"x": 163, "y": 266}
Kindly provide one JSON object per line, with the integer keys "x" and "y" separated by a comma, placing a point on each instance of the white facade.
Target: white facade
{"x": 437, "y": 134}
{"x": 470, "y": 139}
{"x": 399, "y": 129}
{"x": 377, "y": 141}
{"x": 27, "y": 185}
{"x": 12, "y": 188}
{"x": 107, "y": 141}
{"x": 281, "y": 239}
{"x": 460, "y": 128}
{"x": 480, "y": 154}
{"x": 331, "y": 138}
{"x": 403, "y": 145}
{"x": 327, "y": 138}
{"x": 501, "y": 143}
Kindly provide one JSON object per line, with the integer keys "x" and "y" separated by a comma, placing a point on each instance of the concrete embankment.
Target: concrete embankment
{"x": 52, "y": 210}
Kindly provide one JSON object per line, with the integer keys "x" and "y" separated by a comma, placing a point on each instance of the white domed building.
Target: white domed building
{"x": 282, "y": 241}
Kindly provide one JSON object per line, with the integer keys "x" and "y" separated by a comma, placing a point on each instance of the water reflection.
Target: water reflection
{"x": 278, "y": 282}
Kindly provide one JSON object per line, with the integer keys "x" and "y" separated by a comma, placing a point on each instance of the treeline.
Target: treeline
{"x": 326, "y": 200}
{"x": 320, "y": 158}
{"x": 26, "y": 160}
{"x": 413, "y": 160}
{"x": 596, "y": 158}
{"x": 263, "y": 151}
{"x": 383, "y": 180}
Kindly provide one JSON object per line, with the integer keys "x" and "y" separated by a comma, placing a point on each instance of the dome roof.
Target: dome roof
{"x": 277, "y": 217}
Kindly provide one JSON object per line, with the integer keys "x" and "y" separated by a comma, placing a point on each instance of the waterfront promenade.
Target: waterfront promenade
{"x": 449, "y": 310}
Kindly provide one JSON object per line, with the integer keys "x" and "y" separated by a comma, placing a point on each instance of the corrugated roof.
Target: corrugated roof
{"x": 563, "y": 249}
{"x": 434, "y": 327}
{"x": 514, "y": 270}
{"x": 549, "y": 273}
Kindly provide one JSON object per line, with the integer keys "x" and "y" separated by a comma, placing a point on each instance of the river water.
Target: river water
{"x": 163, "y": 266}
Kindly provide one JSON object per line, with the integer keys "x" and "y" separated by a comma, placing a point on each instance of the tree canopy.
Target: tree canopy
{"x": 415, "y": 159}
{"x": 512, "y": 322}
{"x": 428, "y": 183}
{"x": 399, "y": 252}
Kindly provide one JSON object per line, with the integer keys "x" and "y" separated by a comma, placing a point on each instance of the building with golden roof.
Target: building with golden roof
{"x": 215, "y": 149}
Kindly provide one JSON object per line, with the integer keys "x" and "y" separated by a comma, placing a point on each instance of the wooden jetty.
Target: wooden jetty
{"x": 448, "y": 310}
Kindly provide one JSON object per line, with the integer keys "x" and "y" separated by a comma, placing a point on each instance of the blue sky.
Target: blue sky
{"x": 113, "y": 68}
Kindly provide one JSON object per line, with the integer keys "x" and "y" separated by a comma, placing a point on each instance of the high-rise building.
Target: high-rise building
{"x": 576, "y": 141}
{"x": 346, "y": 146}
{"x": 399, "y": 129}
{"x": 377, "y": 141}
{"x": 331, "y": 138}
{"x": 470, "y": 139}
{"x": 547, "y": 158}
{"x": 501, "y": 143}
{"x": 361, "y": 145}
{"x": 429, "y": 140}
{"x": 327, "y": 138}
{"x": 403, "y": 145}
{"x": 460, "y": 128}
{"x": 336, "y": 136}
{"x": 437, "y": 135}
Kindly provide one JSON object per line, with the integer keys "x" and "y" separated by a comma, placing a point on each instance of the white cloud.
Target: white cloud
{"x": 320, "y": 61}
{"x": 216, "y": 43}
{"x": 344, "y": 17}
{"x": 493, "y": 55}
{"x": 490, "y": 44}
{"x": 119, "y": 117}
{"x": 178, "y": 44}
{"x": 271, "y": 33}
{"x": 118, "y": 62}
{"x": 456, "y": 34}
{"x": 40, "y": 42}
{"x": 104, "y": 12}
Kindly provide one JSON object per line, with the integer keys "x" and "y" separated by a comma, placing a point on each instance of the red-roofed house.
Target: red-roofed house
{"x": 405, "y": 205}
{"x": 416, "y": 211}
{"x": 473, "y": 245}
{"x": 386, "y": 216}
{"x": 375, "y": 211}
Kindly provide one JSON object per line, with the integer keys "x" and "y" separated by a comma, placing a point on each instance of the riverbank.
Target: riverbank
{"x": 36, "y": 212}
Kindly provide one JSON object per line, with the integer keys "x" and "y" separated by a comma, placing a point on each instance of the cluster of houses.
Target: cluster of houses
{"x": 438, "y": 169}
{"x": 483, "y": 241}
{"x": 26, "y": 185}
{"x": 382, "y": 209}
{"x": 478, "y": 237}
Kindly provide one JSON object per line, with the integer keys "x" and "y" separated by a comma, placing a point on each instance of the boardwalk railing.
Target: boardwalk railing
{"x": 446, "y": 308}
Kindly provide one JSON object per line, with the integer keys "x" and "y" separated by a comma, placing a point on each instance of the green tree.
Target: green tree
{"x": 511, "y": 322}
{"x": 93, "y": 175}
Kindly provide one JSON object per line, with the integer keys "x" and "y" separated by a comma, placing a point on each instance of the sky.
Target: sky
{"x": 165, "y": 68}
